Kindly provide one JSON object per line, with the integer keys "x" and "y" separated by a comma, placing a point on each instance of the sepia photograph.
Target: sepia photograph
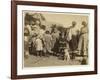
{"x": 55, "y": 39}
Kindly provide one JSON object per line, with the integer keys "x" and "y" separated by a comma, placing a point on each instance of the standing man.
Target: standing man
{"x": 83, "y": 41}
{"x": 72, "y": 38}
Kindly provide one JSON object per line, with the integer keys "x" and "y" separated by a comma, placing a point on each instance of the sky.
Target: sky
{"x": 66, "y": 18}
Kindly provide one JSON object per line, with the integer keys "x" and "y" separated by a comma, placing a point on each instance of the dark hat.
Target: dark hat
{"x": 84, "y": 23}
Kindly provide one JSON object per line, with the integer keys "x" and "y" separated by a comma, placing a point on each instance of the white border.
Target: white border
{"x": 56, "y": 69}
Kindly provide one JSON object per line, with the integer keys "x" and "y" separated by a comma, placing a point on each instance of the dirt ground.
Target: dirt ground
{"x": 34, "y": 61}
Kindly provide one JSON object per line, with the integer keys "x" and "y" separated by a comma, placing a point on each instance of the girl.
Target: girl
{"x": 39, "y": 46}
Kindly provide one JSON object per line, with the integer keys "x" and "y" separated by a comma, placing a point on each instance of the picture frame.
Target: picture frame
{"x": 16, "y": 31}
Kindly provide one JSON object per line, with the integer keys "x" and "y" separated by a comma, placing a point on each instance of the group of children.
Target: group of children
{"x": 47, "y": 43}
{"x": 42, "y": 42}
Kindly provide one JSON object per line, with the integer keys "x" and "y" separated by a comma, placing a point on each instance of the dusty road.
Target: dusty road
{"x": 34, "y": 61}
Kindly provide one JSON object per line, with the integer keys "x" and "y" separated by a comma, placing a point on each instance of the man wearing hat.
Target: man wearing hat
{"x": 83, "y": 42}
{"x": 72, "y": 38}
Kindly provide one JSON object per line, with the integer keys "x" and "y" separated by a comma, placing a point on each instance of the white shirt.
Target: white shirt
{"x": 72, "y": 31}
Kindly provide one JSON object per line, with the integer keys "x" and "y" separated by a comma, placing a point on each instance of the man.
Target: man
{"x": 83, "y": 41}
{"x": 72, "y": 38}
{"x": 72, "y": 30}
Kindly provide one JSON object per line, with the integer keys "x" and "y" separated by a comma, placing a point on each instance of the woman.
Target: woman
{"x": 47, "y": 40}
{"x": 55, "y": 36}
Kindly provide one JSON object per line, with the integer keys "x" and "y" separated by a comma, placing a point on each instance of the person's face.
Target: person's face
{"x": 73, "y": 24}
{"x": 84, "y": 24}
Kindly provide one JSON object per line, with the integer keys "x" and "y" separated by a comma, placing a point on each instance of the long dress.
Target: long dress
{"x": 62, "y": 45}
{"x": 55, "y": 37}
{"x": 39, "y": 45}
{"x": 47, "y": 39}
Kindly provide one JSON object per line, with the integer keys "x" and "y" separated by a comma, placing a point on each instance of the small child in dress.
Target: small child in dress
{"x": 39, "y": 46}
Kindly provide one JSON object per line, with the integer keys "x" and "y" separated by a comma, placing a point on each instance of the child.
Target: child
{"x": 66, "y": 55}
{"x": 39, "y": 46}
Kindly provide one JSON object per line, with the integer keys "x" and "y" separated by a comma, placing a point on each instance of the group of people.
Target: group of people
{"x": 40, "y": 40}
